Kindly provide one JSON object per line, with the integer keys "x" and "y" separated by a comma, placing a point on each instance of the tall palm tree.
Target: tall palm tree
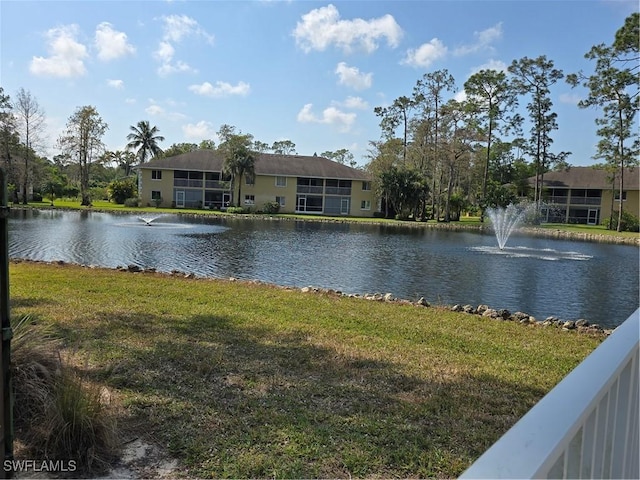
{"x": 144, "y": 140}
{"x": 239, "y": 160}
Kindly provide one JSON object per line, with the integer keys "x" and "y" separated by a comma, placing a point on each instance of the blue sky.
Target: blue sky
{"x": 310, "y": 72}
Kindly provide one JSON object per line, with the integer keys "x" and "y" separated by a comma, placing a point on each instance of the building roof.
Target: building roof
{"x": 588, "y": 177}
{"x": 265, "y": 164}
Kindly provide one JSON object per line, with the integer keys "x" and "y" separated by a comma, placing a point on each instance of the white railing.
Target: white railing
{"x": 586, "y": 427}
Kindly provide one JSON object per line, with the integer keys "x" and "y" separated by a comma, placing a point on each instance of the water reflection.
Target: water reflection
{"x": 539, "y": 276}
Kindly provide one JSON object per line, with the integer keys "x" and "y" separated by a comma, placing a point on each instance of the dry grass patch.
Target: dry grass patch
{"x": 58, "y": 414}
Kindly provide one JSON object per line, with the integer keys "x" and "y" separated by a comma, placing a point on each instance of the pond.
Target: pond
{"x": 542, "y": 277}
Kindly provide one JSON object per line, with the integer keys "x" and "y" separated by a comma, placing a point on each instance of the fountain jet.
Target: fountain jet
{"x": 505, "y": 220}
{"x": 148, "y": 220}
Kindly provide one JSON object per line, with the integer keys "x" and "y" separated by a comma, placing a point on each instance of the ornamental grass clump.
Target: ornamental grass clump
{"x": 58, "y": 415}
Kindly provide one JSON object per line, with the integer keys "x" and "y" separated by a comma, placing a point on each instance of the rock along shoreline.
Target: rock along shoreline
{"x": 581, "y": 326}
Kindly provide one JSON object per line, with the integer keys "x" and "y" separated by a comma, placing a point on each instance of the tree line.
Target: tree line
{"x": 85, "y": 169}
{"x": 439, "y": 153}
{"x": 436, "y": 156}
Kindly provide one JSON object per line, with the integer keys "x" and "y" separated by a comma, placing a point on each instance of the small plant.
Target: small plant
{"x": 629, "y": 222}
{"x": 157, "y": 202}
{"x": 271, "y": 207}
{"x": 77, "y": 423}
{"x": 132, "y": 202}
{"x": 58, "y": 415}
{"x": 236, "y": 210}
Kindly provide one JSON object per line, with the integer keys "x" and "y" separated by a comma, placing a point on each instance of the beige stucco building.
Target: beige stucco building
{"x": 586, "y": 195}
{"x": 300, "y": 184}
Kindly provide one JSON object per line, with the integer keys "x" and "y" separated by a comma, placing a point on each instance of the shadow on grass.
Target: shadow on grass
{"x": 231, "y": 400}
{"x": 17, "y": 302}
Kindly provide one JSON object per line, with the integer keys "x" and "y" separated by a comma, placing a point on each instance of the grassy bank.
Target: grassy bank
{"x": 106, "y": 206}
{"x": 594, "y": 233}
{"x": 245, "y": 380}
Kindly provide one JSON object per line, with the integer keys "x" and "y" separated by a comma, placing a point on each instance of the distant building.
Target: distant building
{"x": 587, "y": 195}
{"x": 300, "y": 184}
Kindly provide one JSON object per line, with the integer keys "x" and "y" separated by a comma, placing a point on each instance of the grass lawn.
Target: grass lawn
{"x": 588, "y": 229}
{"x": 241, "y": 380}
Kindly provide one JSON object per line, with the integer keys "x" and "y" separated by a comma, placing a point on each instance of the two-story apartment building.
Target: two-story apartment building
{"x": 586, "y": 195}
{"x": 300, "y": 184}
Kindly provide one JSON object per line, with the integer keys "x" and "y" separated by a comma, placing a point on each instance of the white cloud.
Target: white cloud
{"x": 497, "y": 65}
{"x": 221, "y": 89}
{"x": 154, "y": 110}
{"x": 425, "y": 54}
{"x": 199, "y": 131}
{"x": 330, "y": 116}
{"x": 569, "y": 98}
{"x": 165, "y": 52}
{"x": 322, "y": 27}
{"x": 176, "y": 28}
{"x": 177, "y": 67}
{"x": 117, "y": 84}
{"x": 112, "y": 44}
{"x": 460, "y": 96}
{"x": 130, "y": 101}
{"x": 352, "y": 77}
{"x": 66, "y": 54}
{"x": 356, "y": 103}
{"x": 484, "y": 39}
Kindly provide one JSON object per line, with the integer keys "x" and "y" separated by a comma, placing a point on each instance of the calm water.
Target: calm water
{"x": 539, "y": 276}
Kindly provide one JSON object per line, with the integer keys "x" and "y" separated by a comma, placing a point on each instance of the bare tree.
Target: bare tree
{"x": 31, "y": 124}
{"x": 82, "y": 142}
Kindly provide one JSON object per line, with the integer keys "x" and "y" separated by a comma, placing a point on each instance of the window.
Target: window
{"x": 249, "y": 179}
{"x": 156, "y": 174}
{"x": 281, "y": 201}
{"x": 281, "y": 181}
{"x": 365, "y": 205}
{"x": 624, "y": 196}
{"x": 366, "y": 185}
{"x": 156, "y": 195}
{"x": 249, "y": 200}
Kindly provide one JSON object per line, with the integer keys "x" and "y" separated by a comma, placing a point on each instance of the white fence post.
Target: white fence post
{"x": 586, "y": 427}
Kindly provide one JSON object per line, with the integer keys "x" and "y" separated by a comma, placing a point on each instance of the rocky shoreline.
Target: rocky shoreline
{"x": 581, "y": 326}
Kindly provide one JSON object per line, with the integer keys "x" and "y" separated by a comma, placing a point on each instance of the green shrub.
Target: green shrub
{"x": 120, "y": 190}
{"x": 629, "y": 223}
{"x": 71, "y": 191}
{"x": 236, "y": 210}
{"x": 132, "y": 202}
{"x": 404, "y": 216}
{"x": 271, "y": 207}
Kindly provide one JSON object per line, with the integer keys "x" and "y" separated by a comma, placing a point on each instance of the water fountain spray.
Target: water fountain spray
{"x": 505, "y": 220}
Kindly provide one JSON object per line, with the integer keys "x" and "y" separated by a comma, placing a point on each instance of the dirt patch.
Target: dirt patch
{"x": 143, "y": 460}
